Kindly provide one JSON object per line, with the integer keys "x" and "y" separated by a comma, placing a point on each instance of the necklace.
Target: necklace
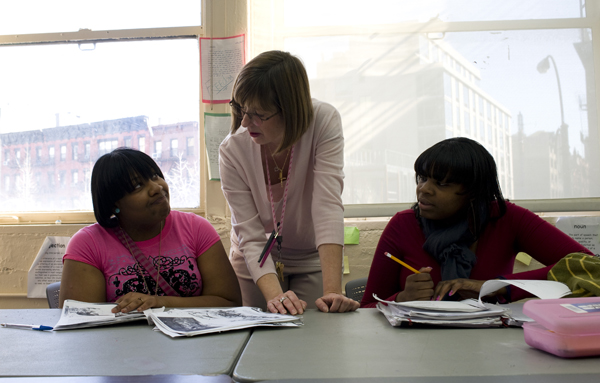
{"x": 280, "y": 169}
{"x": 277, "y": 226}
{"x": 139, "y": 268}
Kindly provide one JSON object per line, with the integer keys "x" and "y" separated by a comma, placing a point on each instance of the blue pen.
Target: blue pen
{"x": 26, "y": 326}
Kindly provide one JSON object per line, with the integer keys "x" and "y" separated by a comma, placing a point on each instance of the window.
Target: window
{"x": 138, "y": 69}
{"x": 174, "y": 145}
{"x": 62, "y": 179}
{"x": 107, "y": 146}
{"x": 86, "y": 151}
{"x": 142, "y": 144}
{"x": 190, "y": 146}
{"x": 157, "y": 150}
{"x": 494, "y": 73}
{"x": 38, "y": 154}
{"x": 467, "y": 117}
{"x": 448, "y": 113}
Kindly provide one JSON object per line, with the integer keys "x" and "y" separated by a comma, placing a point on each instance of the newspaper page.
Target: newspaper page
{"x": 47, "y": 266}
{"x": 191, "y": 322}
{"x": 76, "y": 314}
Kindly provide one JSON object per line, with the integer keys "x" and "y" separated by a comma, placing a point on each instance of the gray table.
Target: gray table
{"x": 117, "y": 350}
{"x": 355, "y": 346}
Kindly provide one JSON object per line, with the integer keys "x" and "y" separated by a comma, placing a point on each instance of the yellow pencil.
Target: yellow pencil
{"x": 402, "y": 263}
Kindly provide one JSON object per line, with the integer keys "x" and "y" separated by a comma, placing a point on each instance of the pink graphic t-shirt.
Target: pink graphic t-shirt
{"x": 184, "y": 238}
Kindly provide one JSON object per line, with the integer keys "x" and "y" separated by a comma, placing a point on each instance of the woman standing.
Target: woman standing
{"x": 141, "y": 254}
{"x": 281, "y": 173}
{"x": 460, "y": 233}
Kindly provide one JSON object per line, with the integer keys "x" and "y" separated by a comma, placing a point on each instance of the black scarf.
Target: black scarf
{"x": 449, "y": 246}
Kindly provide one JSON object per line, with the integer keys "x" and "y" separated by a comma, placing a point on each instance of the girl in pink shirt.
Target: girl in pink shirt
{"x": 140, "y": 254}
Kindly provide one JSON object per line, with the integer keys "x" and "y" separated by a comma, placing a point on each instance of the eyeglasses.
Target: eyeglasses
{"x": 255, "y": 118}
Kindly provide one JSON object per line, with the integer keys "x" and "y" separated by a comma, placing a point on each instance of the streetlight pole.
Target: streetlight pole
{"x": 543, "y": 67}
{"x": 563, "y": 151}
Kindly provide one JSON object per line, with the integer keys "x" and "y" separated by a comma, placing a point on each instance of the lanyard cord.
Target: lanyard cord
{"x": 279, "y": 227}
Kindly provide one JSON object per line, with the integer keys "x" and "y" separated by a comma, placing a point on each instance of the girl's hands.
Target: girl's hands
{"x": 419, "y": 287}
{"x": 466, "y": 288}
{"x": 135, "y": 301}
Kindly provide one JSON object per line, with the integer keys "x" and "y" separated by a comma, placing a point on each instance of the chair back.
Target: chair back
{"x": 52, "y": 291}
{"x": 355, "y": 289}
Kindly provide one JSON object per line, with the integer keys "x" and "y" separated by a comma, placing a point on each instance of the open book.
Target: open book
{"x": 469, "y": 312}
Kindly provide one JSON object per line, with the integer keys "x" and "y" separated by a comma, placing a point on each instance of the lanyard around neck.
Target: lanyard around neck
{"x": 279, "y": 227}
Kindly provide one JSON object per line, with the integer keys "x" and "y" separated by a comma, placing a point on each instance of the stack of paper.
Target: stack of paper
{"x": 77, "y": 314}
{"x": 191, "y": 322}
{"x": 469, "y": 312}
{"x": 465, "y": 313}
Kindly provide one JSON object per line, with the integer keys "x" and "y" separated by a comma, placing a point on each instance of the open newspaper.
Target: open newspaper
{"x": 77, "y": 314}
{"x": 174, "y": 322}
{"x": 469, "y": 312}
{"x": 191, "y": 322}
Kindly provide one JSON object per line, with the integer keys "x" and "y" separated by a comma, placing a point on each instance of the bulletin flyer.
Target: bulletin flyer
{"x": 47, "y": 266}
{"x": 584, "y": 230}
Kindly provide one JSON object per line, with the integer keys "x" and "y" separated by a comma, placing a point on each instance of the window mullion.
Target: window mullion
{"x": 98, "y": 36}
{"x": 437, "y": 26}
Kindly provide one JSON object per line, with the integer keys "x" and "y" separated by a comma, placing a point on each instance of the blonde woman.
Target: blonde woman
{"x": 282, "y": 175}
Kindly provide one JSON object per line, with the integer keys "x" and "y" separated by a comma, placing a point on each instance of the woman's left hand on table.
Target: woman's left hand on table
{"x": 335, "y": 302}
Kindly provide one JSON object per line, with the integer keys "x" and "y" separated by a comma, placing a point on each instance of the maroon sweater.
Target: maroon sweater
{"x": 519, "y": 230}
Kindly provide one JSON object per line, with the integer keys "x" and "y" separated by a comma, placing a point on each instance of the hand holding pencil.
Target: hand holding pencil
{"x": 418, "y": 286}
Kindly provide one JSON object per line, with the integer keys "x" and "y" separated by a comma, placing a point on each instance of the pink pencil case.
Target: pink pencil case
{"x": 568, "y": 327}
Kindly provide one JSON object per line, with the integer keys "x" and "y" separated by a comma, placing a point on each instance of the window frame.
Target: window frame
{"x": 97, "y": 36}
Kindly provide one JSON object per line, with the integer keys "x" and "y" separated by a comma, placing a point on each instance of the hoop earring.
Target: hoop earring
{"x": 117, "y": 211}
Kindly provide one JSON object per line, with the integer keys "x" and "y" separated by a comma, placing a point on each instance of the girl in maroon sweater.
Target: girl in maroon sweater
{"x": 460, "y": 233}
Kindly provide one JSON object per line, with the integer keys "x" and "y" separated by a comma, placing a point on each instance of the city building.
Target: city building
{"x": 50, "y": 169}
{"x": 437, "y": 96}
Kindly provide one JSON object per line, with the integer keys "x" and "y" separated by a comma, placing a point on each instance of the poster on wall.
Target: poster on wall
{"x": 216, "y": 128}
{"x": 221, "y": 59}
{"x": 585, "y": 230}
{"x": 47, "y": 266}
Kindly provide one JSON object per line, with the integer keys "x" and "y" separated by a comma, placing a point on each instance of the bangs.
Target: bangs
{"x": 255, "y": 93}
{"x": 127, "y": 167}
{"x": 444, "y": 163}
{"x": 112, "y": 179}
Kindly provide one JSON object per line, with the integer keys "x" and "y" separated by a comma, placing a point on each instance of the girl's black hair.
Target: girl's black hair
{"x": 464, "y": 161}
{"x": 112, "y": 180}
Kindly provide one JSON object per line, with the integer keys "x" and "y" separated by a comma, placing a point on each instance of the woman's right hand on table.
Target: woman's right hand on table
{"x": 277, "y": 300}
{"x": 419, "y": 287}
{"x": 285, "y": 303}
